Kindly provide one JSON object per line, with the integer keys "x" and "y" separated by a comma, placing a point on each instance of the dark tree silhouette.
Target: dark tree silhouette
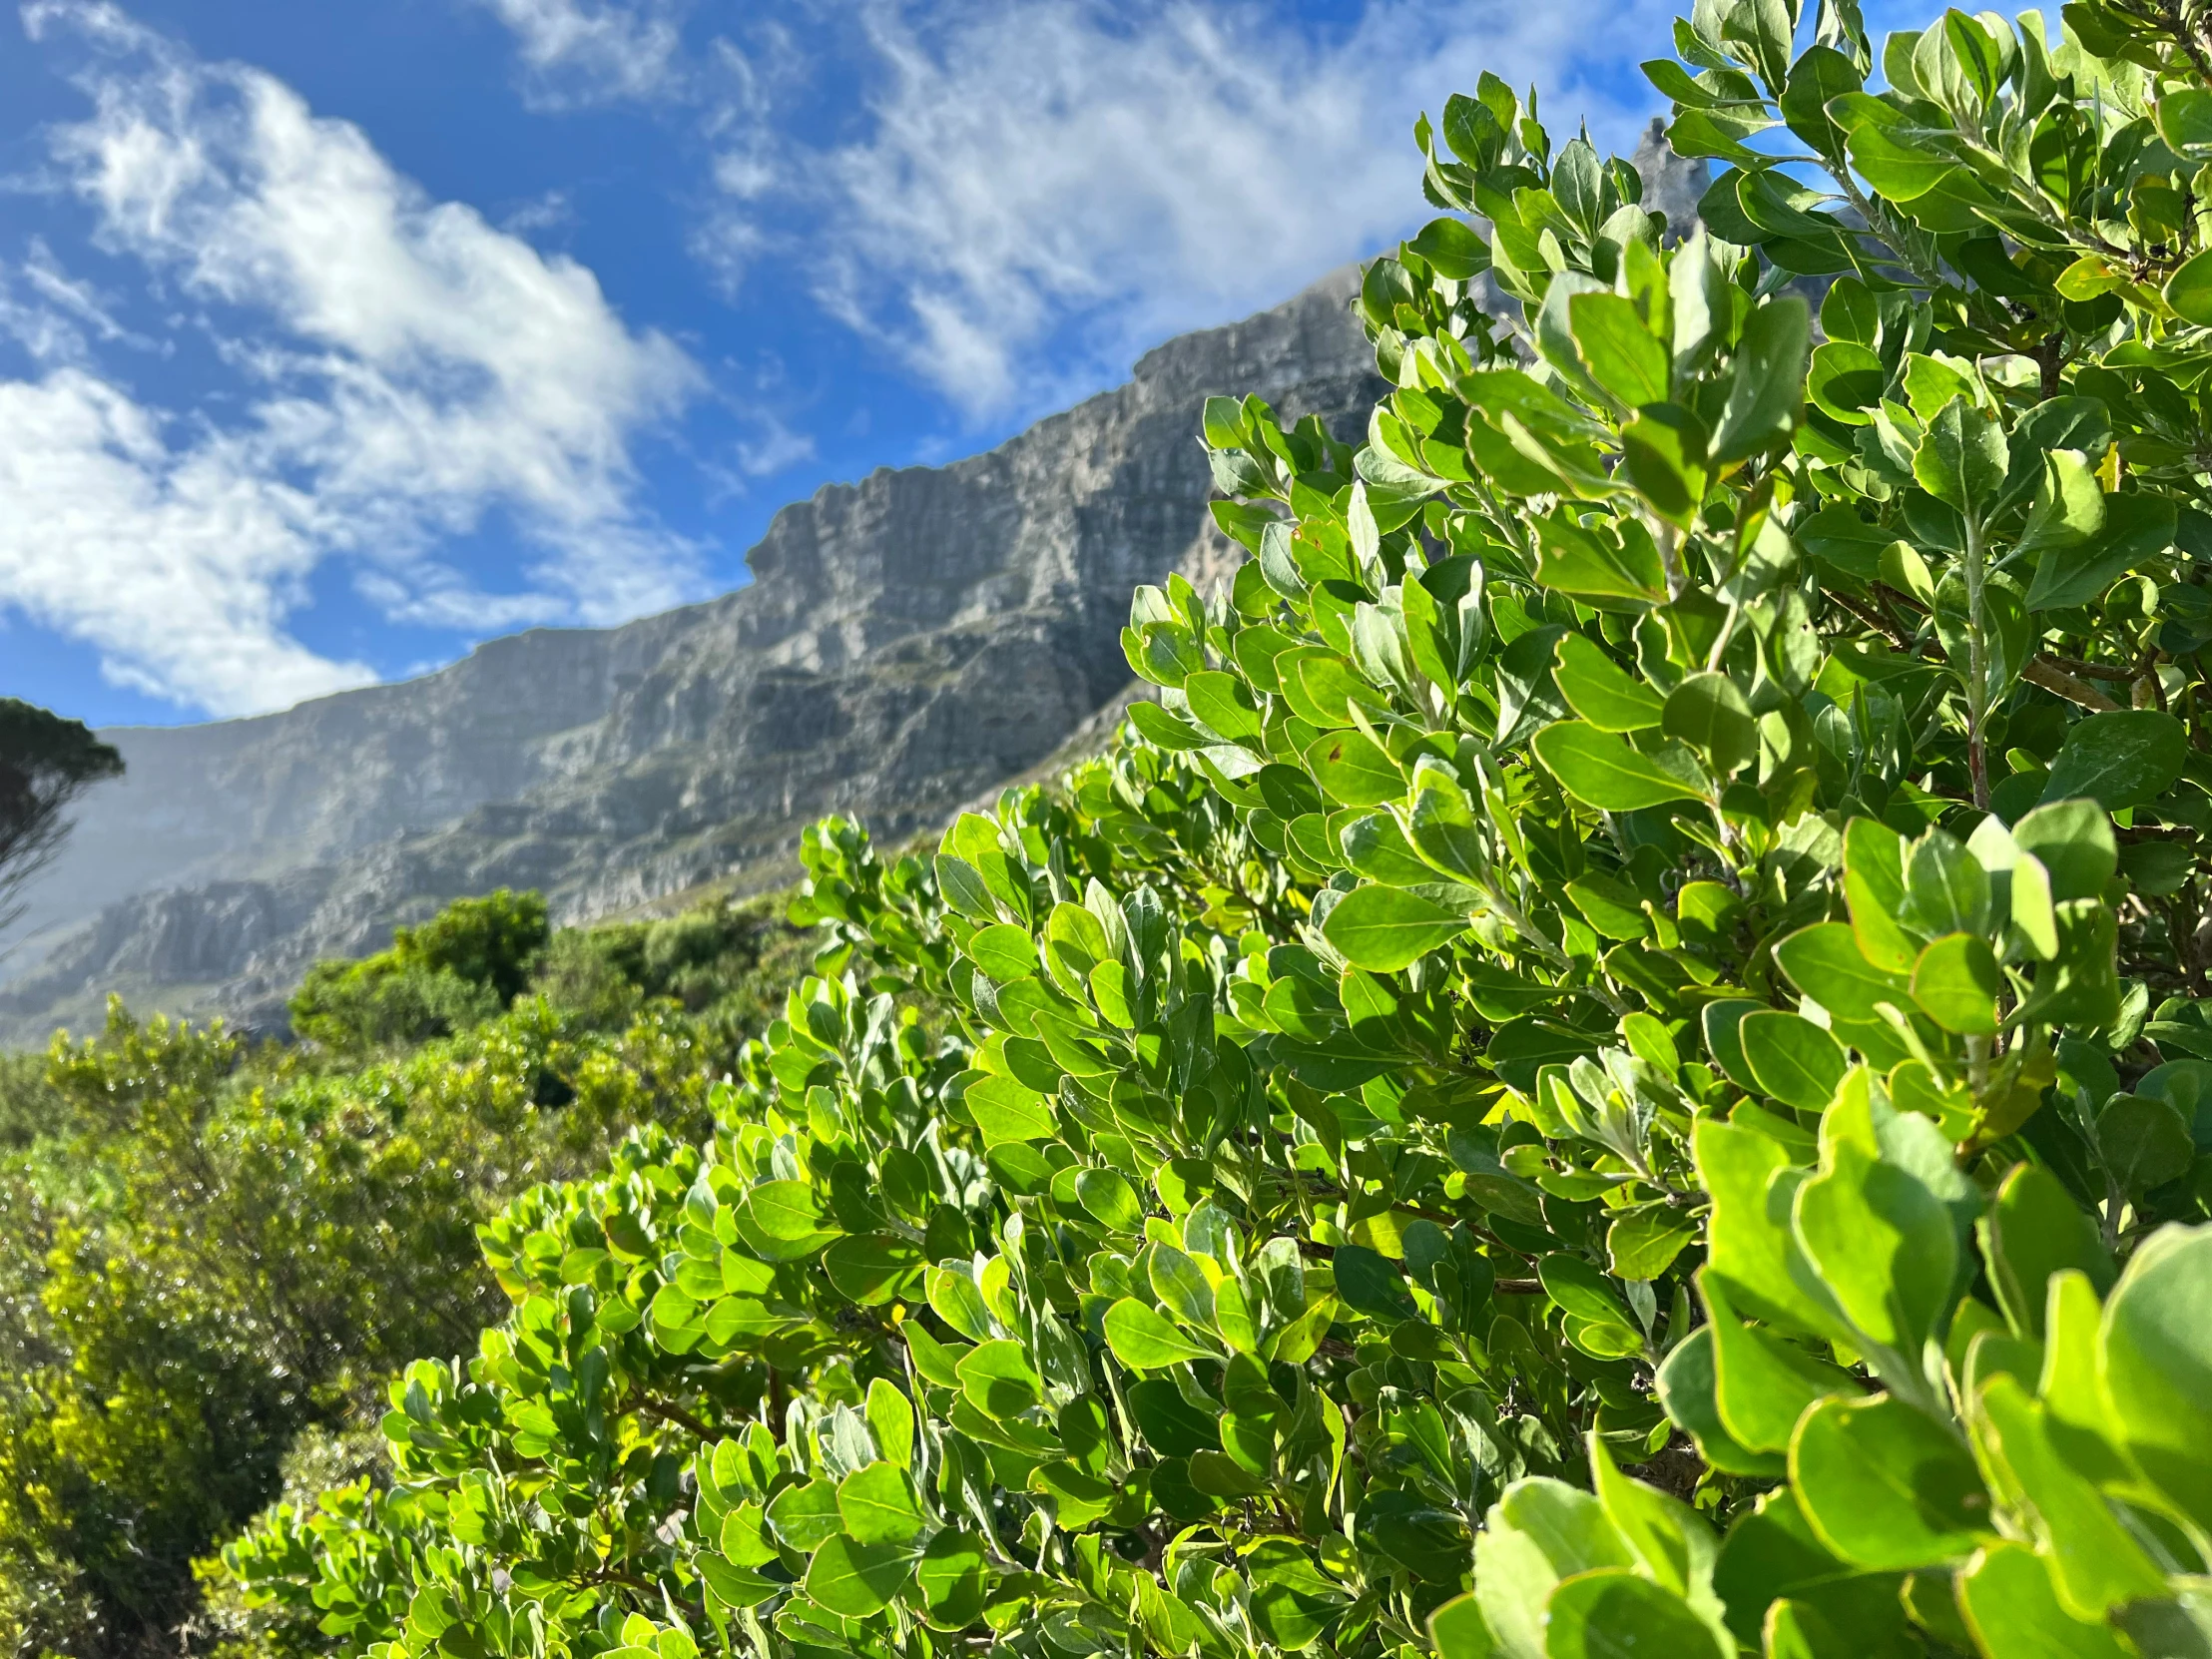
{"x": 46, "y": 762}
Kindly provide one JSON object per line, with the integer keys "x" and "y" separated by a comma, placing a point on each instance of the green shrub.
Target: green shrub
{"x": 492, "y": 942}
{"x": 352, "y": 1008}
{"x": 1615, "y": 1068}
{"x": 456, "y": 970}
{"x": 730, "y": 961}
{"x": 29, "y": 1107}
{"x": 206, "y": 1252}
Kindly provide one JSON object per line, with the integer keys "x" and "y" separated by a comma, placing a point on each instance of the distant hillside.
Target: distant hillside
{"x": 906, "y": 643}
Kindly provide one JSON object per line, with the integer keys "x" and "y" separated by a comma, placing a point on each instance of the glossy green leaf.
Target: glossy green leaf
{"x": 1792, "y": 1058}
{"x": 2157, "y": 1365}
{"x": 1539, "y": 1533}
{"x": 733, "y": 1585}
{"x": 1609, "y": 772}
{"x": 1688, "y": 1389}
{"x": 1825, "y": 963}
{"x": 955, "y": 1297}
{"x": 1353, "y": 771}
{"x": 856, "y": 1579}
{"x": 2006, "y": 1597}
{"x": 1578, "y": 1286}
{"x": 1003, "y": 951}
{"x": 1622, "y": 356}
{"x": 787, "y": 1209}
{"x": 1708, "y": 712}
{"x": 1432, "y": 1541}
{"x": 805, "y": 1516}
{"x": 2097, "y": 1565}
{"x": 2189, "y": 290}
{"x": 1171, "y": 1424}
{"x": 1110, "y": 1199}
{"x": 2144, "y": 1143}
{"x": 2073, "y": 840}
{"x": 1224, "y": 704}
{"x": 1180, "y": 1287}
{"x": 1767, "y": 383}
{"x": 1168, "y": 730}
{"x": 1956, "y": 983}
{"x": 1881, "y": 1232}
{"x": 1846, "y": 380}
{"x": 1600, "y": 691}
{"x": 2120, "y": 758}
{"x": 1771, "y": 1555}
{"x": 1007, "y": 1110}
{"x": 1000, "y": 1380}
{"x": 1887, "y": 1486}
{"x": 2133, "y": 530}
{"x": 1144, "y": 1341}
{"x": 1762, "y": 1385}
{"x": 1645, "y": 1243}
{"x": 870, "y": 1268}
{"x": 1615, "y": 1615}
{"x": 878, "y": 1506}
{"x": 1367, "y": 1281}
{"x": 1456, "y": 1630}
{"x": 1663, "y": 450}
{"x": 2035, "y": 1230}
{"x": 952, "y": 1579}
{"x": 890, "y": 1418}
{"x": 1383, "y": 929}
{"x": 1962, "y": 458}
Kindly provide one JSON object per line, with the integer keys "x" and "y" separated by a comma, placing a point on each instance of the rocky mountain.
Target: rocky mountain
{"x": 906, "y": 644}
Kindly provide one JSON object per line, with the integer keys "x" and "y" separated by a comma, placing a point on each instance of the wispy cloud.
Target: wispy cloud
{"x": 1037, "y": 189}
{"x": 406, "y": 371}
{"x": 593, "y": 51}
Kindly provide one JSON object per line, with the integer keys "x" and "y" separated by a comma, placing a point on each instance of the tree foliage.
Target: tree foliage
{"x": 453, "y": 971}
{"x": 210, "y": 1251}
{"x": 46, "y": 763}
{"x": 1617, "y": 1065}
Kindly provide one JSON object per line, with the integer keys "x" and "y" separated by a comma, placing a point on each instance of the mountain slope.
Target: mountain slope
{"x": 905, "y": 643}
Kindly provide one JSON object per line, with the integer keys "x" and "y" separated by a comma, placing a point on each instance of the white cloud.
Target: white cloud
{"x": 177, "y": 565}
{"x": 409, "y": 371}
{"x": 766, "y": 445}
{"x": 49, "y": 312}
{"x": 592, "y": 51}
{"x": 1030, "y": 165}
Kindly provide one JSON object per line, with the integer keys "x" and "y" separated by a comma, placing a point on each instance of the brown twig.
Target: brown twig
{"x": 2094, "y": 671}
{"x": 2054, "y": 674}
{"x": 2048, "y": 675}
{"x": 678, "y": 1416}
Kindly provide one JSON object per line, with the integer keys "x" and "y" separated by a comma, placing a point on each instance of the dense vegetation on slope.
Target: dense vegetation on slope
{"x": 208, "y": 1250}
{"x": 1617, "y": 1067}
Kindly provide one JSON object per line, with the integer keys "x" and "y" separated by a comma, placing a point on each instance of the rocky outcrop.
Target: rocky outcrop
{"x": 905, "y": 644}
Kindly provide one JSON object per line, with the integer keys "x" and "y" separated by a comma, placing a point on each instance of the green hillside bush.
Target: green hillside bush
{"x": 458, "y": 969}
{"x": 211, "y": 1252}
{"x": 1616, "y": 1067}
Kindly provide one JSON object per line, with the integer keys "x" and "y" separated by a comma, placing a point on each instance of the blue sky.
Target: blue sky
{"x": 336, "y": 338}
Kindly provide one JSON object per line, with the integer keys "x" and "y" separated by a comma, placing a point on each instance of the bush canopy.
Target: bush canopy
{"x": 1615, "y": 1067}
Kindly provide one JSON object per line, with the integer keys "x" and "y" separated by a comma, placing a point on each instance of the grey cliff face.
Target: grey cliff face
{"x": 906, "y": 644}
